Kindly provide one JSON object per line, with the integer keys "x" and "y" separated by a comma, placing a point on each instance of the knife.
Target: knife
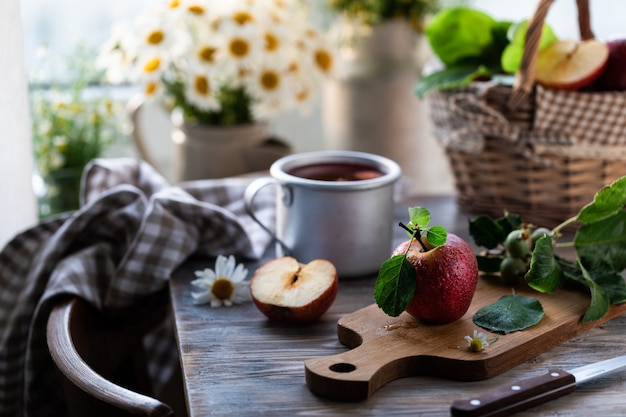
{"x": 509, "y": 399}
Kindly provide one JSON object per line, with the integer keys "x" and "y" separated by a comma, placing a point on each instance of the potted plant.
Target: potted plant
{"x": 224, "y": 67}
{"x": 70, "y": 127}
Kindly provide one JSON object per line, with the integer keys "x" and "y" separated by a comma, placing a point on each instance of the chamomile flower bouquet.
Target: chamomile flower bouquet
{"x": 222, "y": 62}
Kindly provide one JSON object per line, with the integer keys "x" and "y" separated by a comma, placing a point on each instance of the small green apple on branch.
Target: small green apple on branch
{"x": 410, "y": 279}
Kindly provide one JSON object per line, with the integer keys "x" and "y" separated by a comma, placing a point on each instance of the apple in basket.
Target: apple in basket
{"x": 614, "y": 75}
{"x": 285, "y": 290}
{"x": 571, "y": 65}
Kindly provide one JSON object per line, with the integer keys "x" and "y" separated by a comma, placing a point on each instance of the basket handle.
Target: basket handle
{"x": 525, "y": 78}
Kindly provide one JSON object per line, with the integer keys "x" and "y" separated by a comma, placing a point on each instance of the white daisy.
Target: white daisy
{"x": 201, "y": 89}
{"x": 241, "y": 46}
{"x": 223, "y": 286}
{"x": 478, "y": 341}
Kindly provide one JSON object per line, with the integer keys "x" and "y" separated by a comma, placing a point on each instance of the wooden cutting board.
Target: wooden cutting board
{"x": 385, "y": 348}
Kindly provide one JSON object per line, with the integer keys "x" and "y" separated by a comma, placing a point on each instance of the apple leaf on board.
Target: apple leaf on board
{"x": 396, "y": 281}
{"x": 509, "y": 314}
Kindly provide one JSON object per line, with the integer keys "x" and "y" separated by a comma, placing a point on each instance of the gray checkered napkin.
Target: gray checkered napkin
{"x": 131, "y": 232}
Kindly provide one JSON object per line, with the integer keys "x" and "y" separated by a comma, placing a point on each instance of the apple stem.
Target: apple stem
{"x": 415, "y": 234}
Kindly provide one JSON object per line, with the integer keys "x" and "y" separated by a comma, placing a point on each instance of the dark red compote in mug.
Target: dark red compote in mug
{"x": 336, "y": 171}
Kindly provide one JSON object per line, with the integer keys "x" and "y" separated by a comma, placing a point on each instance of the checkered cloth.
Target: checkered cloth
{"x": 131, "y": 232}
{"x": 559, "y": 122}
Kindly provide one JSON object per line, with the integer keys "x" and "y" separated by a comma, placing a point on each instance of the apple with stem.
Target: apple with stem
{"x": 433, "y": 277}
{"x": 285, "y": 290}
{"x": 571, "y": 65}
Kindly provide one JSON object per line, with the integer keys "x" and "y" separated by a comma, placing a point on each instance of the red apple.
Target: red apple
{"x": 446, "y": 279}
{"x": 286, "y": 290}
{"x": 613, "y": 78}
{"x": 571, "y": 65}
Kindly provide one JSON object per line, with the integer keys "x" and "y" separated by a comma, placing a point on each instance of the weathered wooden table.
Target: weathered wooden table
{"x": 236, "y": 362}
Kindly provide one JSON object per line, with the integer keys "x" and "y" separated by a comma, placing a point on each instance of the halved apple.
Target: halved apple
{"x": 571, "y": 65}
{"x": 284, "y": 289}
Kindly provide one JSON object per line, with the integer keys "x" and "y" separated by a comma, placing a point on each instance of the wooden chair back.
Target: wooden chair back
{"x": 100, "y": 360}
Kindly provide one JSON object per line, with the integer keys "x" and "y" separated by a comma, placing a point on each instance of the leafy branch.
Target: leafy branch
{"x": 599, "y": 242}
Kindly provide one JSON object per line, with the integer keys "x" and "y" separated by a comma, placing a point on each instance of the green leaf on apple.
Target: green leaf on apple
{"x": 396, "y": 282}
{"x": 419, "y": 216}
{"x": 395, "y": 285}
{"x": 509, "y": 314}
{"x": 436, "y": 235}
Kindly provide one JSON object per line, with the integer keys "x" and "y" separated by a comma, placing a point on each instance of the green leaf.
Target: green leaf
{"x": 437, "y": 235}
{"x": 489, "y": 232}
{"x": 602, "y": 245}
{"x": 419, "y": 217}
{"x": 607, "y": 202}
{"x": 395, "y": 285}
{"x": 545, "y": 273}
{"x": 509, "y": 222}
{"x": 509, "y": 314}
{"x": 489, "y": 264}
{"x": 599, "y": 299}
{"x": 449, "y": 78}
{"x": 512, "y": 55}
{"x": 613, "y": 285}
{"x": 486, "y": 231}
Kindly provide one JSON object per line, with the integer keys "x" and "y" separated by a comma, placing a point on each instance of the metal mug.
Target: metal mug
{"x": 349, "y": 223}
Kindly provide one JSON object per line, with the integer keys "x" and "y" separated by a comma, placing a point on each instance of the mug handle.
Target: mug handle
{"x": 248, "y": 199}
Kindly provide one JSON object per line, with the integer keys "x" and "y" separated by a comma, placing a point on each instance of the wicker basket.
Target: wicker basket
{"x": 529, "y": 150}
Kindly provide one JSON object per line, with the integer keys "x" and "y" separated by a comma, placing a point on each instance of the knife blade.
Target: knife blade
{"x": 520, "y": 395}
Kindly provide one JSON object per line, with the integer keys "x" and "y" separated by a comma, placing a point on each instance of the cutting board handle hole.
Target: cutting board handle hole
{"x": 342, "y": 367}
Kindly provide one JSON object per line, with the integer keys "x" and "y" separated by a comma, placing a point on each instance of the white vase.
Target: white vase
{"x": 206, "y": 151}
{"x": 371, "y": 107}
{"x": 201, "y": 151}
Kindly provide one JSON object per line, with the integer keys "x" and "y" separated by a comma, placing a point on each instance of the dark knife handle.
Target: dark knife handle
{"x": 509, "y": 399}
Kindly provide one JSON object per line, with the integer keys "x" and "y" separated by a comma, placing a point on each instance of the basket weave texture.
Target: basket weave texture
{"x": 530, "y": 150}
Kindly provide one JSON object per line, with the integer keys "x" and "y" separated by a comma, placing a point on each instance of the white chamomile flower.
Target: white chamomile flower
{"x": 200, "y": 90}
{"x": 225, "y": 285}
{"x": 477, "y": 342}
{"x": 241, "y": 45}
{"x": 272, "y": 88}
